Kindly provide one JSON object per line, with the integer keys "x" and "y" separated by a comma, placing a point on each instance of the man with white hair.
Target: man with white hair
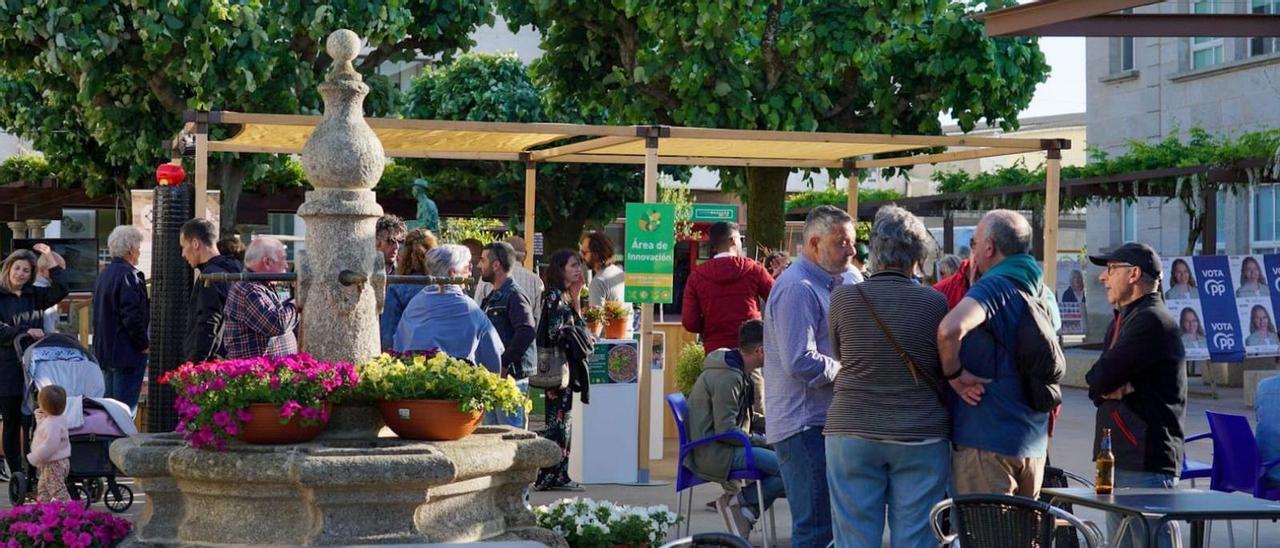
{"x": 799, "y": 368}
{"x": 443, "y": 317}
{"x": 258, "y": 321}
{"x": 121, "y": 317}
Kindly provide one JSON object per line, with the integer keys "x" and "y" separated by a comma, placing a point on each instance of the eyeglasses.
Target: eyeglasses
{"x": 1111, "y": 266}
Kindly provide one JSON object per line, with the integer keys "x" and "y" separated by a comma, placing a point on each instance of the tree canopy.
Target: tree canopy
{"x": 97, "y": 86}
{"x": 878, "y": 66}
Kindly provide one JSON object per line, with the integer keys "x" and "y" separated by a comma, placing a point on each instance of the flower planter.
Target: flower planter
{"x": 595, "y": 328}
{"x": 264, "y": 427}
{"x": 430, "y": 420}
{"x": 615, "y": 329}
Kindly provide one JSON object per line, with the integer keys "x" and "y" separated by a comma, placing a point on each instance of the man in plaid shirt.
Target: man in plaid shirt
{"x": 258, "y": 323}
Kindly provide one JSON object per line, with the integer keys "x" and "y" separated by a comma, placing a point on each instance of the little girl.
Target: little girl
{"x": 51, "y": 448}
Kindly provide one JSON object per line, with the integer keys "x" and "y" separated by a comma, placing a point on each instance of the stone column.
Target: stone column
{"x": 343, "y": 160}
{"x": 19, "y": 229}
{"x": 36, "y": 227}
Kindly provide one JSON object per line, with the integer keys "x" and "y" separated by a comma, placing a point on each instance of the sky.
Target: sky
{"x": 1064, "y": 92}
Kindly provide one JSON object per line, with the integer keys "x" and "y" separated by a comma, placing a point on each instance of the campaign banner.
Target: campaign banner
{"x": 1071, "y": 301}
{"x": 1182, "y": 296}
{"x": 1218, "y": 302}
{"x": 1271, "y": 269}
{"x": 1253, "y": 305}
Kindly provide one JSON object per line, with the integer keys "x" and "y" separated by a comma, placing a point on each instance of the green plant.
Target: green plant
{"x": 671, "y": 191}
{"x": 593, "y": 314}
{"x": 26, "y": 168}
{"x": 457, "y": 229}
{"x": 585, "y": 523}
{"x": 689, "y": 366}
{"x": 839, "y": 198}
{"x": 439, "y": 377}
{"x": 614, "y": 311}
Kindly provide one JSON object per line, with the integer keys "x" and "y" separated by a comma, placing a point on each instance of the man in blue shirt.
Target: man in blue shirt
{"x": 799, "y": 369}
{"x": 445, "y": 318}
{"x": 1000, "y": 442}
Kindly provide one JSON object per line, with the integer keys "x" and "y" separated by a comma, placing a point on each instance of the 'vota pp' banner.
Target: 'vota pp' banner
{"x": 1218, "y": 300}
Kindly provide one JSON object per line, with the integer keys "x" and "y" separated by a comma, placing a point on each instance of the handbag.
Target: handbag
{"x": 916, "y": 372}
{"x": 553, "y": 366}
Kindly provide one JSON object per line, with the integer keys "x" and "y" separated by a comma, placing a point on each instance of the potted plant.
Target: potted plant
{"x": 616, "y": 317}
{"x": 594, "y": 316}
{"x": 434, "y": 396}
{"x": 689, "y": 366}
{"x": 585, "y": 523}
{"x": 62, "y": 523}
{"x": 257, "y": 400}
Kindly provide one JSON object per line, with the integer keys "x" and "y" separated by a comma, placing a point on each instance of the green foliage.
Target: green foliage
{"x": 671, "y": 191}
{"x": 839, "y": 198}
{"x": 457, "y": 229}
{"x": 279, "y": 176}
{"x": 440, "y": 377}
{"x": 27, "y": 168}
{"x": 397, "y": 176}
{"x": 689, "y": 366}
{"x": 96, "y": 86}
{"x": 874, "y": 66}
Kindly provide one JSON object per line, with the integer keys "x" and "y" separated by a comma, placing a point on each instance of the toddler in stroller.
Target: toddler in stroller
{"x": 92, "y": 422}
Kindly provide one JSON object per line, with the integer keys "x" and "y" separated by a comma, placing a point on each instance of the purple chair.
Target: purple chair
{"x": 1236, "y": 464}
{"x": 1194, "y": 469}
{"x": 685, "y": 478}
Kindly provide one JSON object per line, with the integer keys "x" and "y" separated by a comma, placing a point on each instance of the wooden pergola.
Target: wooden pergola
{"x": 1105, "y": 18}
{"x": 651, "y": 145}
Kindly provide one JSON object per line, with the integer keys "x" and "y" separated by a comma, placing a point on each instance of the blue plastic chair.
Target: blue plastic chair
{"x": 1236, "y": 463}
{"x": 1194, "y": 469}
{"x": 685, "y": 478}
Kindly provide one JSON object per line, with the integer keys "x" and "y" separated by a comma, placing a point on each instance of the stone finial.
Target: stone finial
{"x": 343, "y": 46}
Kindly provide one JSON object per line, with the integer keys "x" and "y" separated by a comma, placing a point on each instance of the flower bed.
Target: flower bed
{"x": 61, "y": 524}
{"x": 213, "y": 397}
{"x": 585, "y": 523}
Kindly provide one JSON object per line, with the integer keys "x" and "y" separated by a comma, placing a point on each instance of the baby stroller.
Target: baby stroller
{"x": 93, "y": 422}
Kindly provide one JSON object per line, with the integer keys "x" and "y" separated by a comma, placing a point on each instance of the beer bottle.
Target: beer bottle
{"x": 1106, "y": 463}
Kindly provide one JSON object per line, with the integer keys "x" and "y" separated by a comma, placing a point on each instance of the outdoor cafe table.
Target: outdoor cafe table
{"x": 1155, "y": 507}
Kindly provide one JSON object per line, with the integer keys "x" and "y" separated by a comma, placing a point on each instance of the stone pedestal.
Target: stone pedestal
{"x": 19, "y": 229}
{"x": 35, "y": 227}
{"x": 333, "y": 493}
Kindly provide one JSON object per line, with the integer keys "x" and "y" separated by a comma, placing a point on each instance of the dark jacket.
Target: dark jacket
{"x": 204, "y": 326}
{"x": 578, "y": 345}
{"x": 511, "y": 314}
{"x": 17, "y": 315}
{"x": 1146, "y": 354}
{"x": 121, "y": 317}
{"x": 720, "y": 295}
{"x": 721, "y": 401}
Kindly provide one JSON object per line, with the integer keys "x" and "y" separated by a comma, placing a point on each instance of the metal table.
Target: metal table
{"x": 1155, "y": 507}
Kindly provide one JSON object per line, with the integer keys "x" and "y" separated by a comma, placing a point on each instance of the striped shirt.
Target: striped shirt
{"x": 876, "y": 395}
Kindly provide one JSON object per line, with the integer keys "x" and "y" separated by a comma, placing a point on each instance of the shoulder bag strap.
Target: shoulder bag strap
{"x": 916, "y": 373}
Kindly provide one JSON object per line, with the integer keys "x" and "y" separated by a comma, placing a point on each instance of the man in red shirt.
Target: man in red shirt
{"x": 956, "y": 285}
{"x": 725, "y": 291}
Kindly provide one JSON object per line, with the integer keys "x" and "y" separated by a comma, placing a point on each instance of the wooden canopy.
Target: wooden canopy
{"x": 1104, "y": 18}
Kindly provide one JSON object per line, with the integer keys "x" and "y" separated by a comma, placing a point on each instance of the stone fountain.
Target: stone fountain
{"x": 345, "y": 488}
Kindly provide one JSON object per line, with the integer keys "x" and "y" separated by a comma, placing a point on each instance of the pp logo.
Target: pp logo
{"x": 1224, "y": 341}
{"x": 1215, "y": 288}
{"x": 1275, "y": 281}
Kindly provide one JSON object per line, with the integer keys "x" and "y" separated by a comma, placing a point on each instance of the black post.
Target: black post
{"x": 171, "y": 278}
{"x": 948, "y": 232}
{"x": 1209, "y": 222}
{"x": 1037, "y": 237}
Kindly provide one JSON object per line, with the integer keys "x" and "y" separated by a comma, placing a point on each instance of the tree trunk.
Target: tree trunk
{"x": 230, "y": 178}
{"x": 766, "y": 213}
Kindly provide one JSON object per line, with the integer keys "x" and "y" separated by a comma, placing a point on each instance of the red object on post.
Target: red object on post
{"x": 170, "y": 175}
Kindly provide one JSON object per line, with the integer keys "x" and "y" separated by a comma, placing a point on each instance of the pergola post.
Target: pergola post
{"x": 851, "y": 166}
{"x": 1053, "y": 165}
{"x": 948, "y": 232}
{"x": 530, "y": 188}
{"x": 1209, "y": 222}
{"x": 202, "y": 165}
{"x": 646, "y": 319}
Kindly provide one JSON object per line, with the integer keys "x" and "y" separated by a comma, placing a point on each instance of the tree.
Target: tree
{"x": 876, "y": 66}
{"x": 498, "y": 88}
{"x": 97, "y": 86}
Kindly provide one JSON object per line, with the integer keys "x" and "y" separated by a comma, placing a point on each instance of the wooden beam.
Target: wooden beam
{"x": 646, "y": 327}
{"x": 1165, "y": 25}
{"x": 693, "y": 161}
{"x": 1052, "y": 166}
{"x": 228, "y": 117}
{"x": 940, "y": 157}
{"x": 582, "y": 146}
{"x": 530, "y": 190}
{"x": 907, "y": 141}
{"x": 201, "y": 179}
{"x": 852, "y": 206}
{"x": 1011, "y": 20}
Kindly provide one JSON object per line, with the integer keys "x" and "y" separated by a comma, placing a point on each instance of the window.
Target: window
{"x": 1126, "y": 53}
{"x": 1265, "y": 238}
{"x": 1129, "y": 231}
{"x": 1205, "y": 52}
{"x": 1263, "y": 46}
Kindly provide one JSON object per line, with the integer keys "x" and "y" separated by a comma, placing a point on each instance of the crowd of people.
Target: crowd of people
{"x": 883, "y": 397}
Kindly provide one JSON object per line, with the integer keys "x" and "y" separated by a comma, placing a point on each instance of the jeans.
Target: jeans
{"x": 765, "y": 461}
{"x": 124, "y": 386}
{"x": 866, "y": 476}
{"x": 517, "y": 419}
{"x": 1133, "y": 535}
{"x": 802, "y": 459}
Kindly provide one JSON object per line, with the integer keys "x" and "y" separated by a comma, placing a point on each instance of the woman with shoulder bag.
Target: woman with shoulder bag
{"x": 561, "y": 309}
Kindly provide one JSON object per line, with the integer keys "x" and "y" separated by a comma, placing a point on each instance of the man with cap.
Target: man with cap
{"x": 1140, "y": 382}
{"x": 527, "y": 283}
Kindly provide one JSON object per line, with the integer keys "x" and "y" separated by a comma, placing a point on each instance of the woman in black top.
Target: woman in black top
{"x": 561, "y": 306}
{"x": 22, "y": 306}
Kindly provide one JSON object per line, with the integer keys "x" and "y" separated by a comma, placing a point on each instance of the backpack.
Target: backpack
{"x": 1038, "y": 355}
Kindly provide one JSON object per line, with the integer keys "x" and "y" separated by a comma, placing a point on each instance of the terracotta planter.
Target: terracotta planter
{"x": 431, "y": 420}
{"x": 265, "y": 428}
{"x": 615, "y": 329}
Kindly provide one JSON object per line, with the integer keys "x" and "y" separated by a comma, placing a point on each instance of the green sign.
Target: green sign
{"x": 613, "y": 363}
{"x": 651, "y": 252}
{"x": 714, "y": 213}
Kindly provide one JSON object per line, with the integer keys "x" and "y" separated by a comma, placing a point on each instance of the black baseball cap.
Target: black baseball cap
{"x": 1137, "y": 254}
